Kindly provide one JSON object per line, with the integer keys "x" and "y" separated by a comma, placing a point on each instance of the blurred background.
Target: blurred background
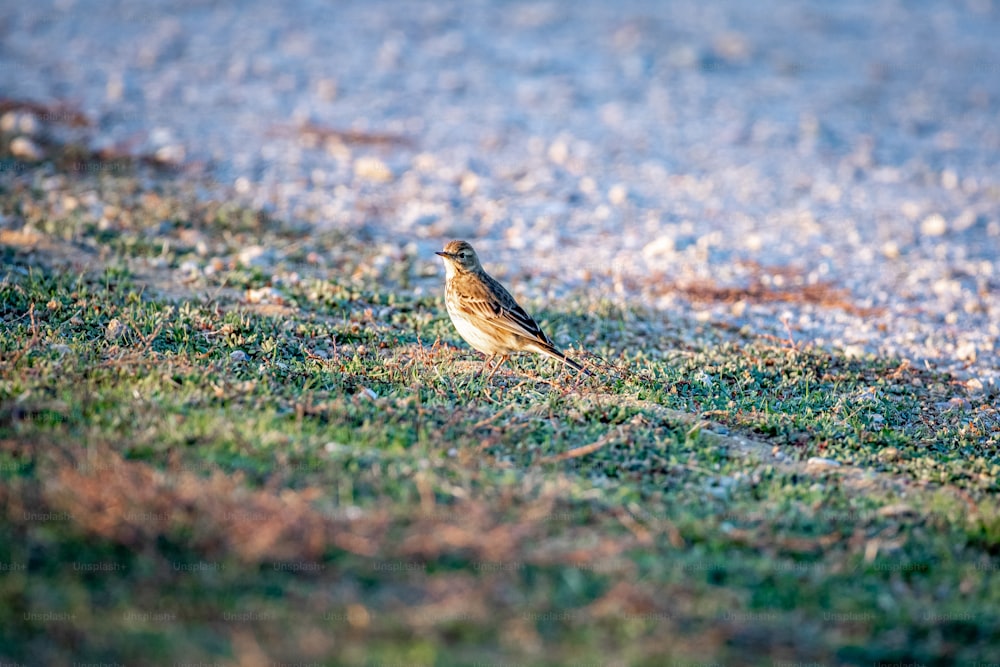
{"x": 637, "y": 149}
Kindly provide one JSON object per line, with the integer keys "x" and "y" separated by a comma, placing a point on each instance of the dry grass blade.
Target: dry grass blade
{"x": 133, "y": 504}
{"x": 31, "y": 342}
{"x": 583, "y": 450}
{"x": 322, "y": 134}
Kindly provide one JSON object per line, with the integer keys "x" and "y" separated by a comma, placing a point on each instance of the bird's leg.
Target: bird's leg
{"x": 486, "y": 364}
{"x": 503, "y": 358}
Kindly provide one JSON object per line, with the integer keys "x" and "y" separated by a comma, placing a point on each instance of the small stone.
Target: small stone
{"x": 189, "y": 267}
{"x": 558, "y": 151}
{"x": 27, "y": 123}
{"x": 469, "y": 184}
{"x": 854, "y": 351}
{"x": 898, "y": 509}
{"x": 966, "y": 351}
{"x": 26, "y": 149}
{"x": 238, "y": 356}
{"x": 171, "y": 154}
{"x": 326, "y": 89}
{"x": 818, "y": 462}
{"x": 264, "y": 295}
{"x": 21, "y": 123}
{"x": 256, "y": 255}
{"x": 618, "y": 194}
{"x": 910, "y": 209}
{"x": 292, "y": 279}
{"x": 372, "y": 169}
{"x": 659, "y": 248}
{"x": 889, "y": 454}
{"x": 934, "y": 225}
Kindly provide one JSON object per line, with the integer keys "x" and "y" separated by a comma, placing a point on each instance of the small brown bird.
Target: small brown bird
{"x": 486, "y": 315}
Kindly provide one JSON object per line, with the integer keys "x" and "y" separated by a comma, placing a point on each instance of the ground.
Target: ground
{"x": 237, "y": 427}
{"x": 249, "y": 467}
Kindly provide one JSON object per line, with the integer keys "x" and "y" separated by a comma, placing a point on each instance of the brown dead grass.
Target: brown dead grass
{"x": 823, "y": 294}
{"x": 218, "y": 516}
{"x": 64, "y": 112}
{"x": 315, "y": 134}
{"x": 132, "y": 503}
{"x": 793, "y": 289}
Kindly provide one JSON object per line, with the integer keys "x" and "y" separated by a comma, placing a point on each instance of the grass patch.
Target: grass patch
{"x": 286, "y": 454}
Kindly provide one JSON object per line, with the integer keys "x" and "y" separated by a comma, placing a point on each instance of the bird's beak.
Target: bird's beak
{"x": 445, "y": 254}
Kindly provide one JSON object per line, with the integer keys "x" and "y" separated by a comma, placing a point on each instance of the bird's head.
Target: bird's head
{"x": 460, "y": 257}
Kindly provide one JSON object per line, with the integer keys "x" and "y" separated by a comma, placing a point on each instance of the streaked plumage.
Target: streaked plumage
{"x": 486, "y": 315}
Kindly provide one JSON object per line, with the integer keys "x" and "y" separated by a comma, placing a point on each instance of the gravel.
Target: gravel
{"x": 630, "y": 149}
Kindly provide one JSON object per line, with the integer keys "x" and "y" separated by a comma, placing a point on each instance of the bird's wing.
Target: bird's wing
{"x": 490, "y": 301}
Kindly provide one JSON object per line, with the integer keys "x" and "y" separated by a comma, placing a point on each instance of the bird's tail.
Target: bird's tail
{"x": 577, "y": 366}
{"x": 556, "y": 354}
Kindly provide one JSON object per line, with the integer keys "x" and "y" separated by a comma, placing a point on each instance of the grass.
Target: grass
{"x": 296, "y": 461}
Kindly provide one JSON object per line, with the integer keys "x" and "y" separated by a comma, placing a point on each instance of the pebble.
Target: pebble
{"x": 189, "y": 267}
{"x": 171, "y": 154}
{"x": 966, "y": 351}
{"x": 256, "y": 255}
{"x": 372, "y": 169}
{"x": 264, "y": 295}
{"x": 8, "y": 122}
{"x": 854, "y": 351}
{"x": 934, "y": 225}
{"x": 19, "y": 122}
{"x": 26, "y": 149}
{"x": 898, "y": 509}
{"x": 818, "y": 462}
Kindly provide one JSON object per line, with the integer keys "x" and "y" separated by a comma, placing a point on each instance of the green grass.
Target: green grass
{"x": 348, "y": 490}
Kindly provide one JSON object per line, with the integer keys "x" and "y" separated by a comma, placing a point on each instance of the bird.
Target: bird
{"x": 487, "y": 316}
